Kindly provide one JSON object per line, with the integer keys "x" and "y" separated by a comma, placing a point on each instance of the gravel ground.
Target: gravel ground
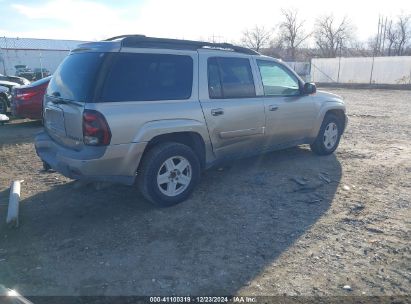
{"x": 248, "y": 229}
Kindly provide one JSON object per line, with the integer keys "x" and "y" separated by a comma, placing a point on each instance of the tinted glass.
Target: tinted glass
{"x": 137, "y": 77}
{"x": 277, "y": 80}
{"x": 236, "y": 77}
{"x": 74, "y": 78}
{"x": 214, "y": 81}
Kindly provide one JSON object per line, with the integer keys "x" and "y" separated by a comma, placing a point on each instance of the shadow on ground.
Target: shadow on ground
{"x": 19, "y": 131}
{"x": 113, "y": 242}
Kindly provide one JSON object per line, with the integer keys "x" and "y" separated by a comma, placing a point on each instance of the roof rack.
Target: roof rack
{"x": 165, "y": 43}
{"x": 123, "y": 36}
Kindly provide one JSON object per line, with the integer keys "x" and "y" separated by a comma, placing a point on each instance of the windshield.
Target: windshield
{"x": 74, "y": 78}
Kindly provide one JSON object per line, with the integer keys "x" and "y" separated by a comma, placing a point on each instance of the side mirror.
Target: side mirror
{"x": 309, "y": 88}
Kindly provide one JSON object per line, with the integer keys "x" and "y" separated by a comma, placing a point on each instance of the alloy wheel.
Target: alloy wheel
{"x": 330, "y": 135}
{"x": 174, "y": 176}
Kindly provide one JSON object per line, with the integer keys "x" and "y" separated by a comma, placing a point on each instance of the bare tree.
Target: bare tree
{"x": 377, "y": 43}
{"x": 275, "y": 48}
{"x": 331, "y": 36}
{"x": 397, "y": 36}
{"x": 291, "y": 31}
{"x": 372, "y": 44}
{"x": 256, "y": 38}
{"x": 403, "y": 33}
{"x": 360, "y": 48}
{"x": 392, "y": 38}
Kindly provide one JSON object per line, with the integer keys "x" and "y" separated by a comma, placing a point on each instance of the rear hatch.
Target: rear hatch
{"x": 71, "y": 87}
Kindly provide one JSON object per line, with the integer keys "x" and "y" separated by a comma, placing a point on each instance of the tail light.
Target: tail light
{"x": 26, "y": 95}
{"x": 96, "y": 131}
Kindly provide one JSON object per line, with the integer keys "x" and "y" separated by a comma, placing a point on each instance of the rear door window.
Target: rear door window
{"x": 145, "y": 77}
{"x": 230, "y": 78}
{"x": 215, "y": 89}
{"x": 74, "y": 78}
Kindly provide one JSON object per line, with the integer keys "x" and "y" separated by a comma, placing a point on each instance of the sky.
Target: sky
{"x": 223, "y": 20}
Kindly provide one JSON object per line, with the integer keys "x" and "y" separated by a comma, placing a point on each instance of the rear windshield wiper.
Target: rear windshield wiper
{"x": 57, "y": 99}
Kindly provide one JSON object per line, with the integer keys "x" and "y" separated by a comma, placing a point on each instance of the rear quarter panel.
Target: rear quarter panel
{"x": 140, "y": 121}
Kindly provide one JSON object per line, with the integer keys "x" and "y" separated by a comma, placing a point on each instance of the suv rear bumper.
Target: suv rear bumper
{"x": 115, "y": 163}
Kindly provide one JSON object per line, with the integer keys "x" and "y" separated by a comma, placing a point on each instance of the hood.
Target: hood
{"x": 9, "y": 85}
{"x": 6, "y": 83}
{"x": 19, "y": 80}
{"x": 329, "y": 96}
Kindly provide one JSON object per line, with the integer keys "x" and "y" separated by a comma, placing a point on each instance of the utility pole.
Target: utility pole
{"x": 41, "y": 64}
{"x": 339, "y": 62}
{"x": 2, "y": 61}
{"x": 376, "y": 48}
{"x": 377, "y": 44}
{"x": 4, "y": 65}
{"x": 383, "y": 38}
{"x": 381, "y": 35}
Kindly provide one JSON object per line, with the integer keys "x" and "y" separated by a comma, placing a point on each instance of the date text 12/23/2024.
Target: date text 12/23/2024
{"x": 203, "y": 299}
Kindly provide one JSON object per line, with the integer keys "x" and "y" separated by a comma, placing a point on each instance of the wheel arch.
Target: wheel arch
{"x": 189, "y": 138}
{"x": 4, "y": 96}
{"x": 336, "y": 109}
{"x": 339, "y": 113}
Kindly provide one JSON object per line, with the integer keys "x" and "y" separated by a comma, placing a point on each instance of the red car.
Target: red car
{"x": 27, "y": 101}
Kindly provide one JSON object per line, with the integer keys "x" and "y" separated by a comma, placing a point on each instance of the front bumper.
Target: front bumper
{"x": 345, "y": 122}
{"x": 114, "y": 163}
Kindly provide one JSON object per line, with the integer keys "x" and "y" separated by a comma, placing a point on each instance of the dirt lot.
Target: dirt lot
{"x": 248, "y": 229}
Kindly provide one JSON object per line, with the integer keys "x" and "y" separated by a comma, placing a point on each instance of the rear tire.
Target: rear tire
{"x": 168, "y": 174}
{"x": 3, "y": 105}
{"x": 328, "y": 137}
{"x": 46, "y": 167}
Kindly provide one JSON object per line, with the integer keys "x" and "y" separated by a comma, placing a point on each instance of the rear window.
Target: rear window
{"x": 75, "y": 76}
{"x": 145, "y": 77}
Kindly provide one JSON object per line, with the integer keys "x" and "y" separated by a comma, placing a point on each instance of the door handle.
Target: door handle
{"x": 217, "y": 112}
{"x": 273, "y": 108}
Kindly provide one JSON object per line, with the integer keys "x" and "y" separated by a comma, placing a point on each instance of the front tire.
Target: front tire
{"x": 328, "y": 137}
{"x": 46, "y": 167}
{"x": 168, "y": 173}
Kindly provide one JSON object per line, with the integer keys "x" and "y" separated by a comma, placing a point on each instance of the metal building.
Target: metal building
{"x": 35, "y": 53}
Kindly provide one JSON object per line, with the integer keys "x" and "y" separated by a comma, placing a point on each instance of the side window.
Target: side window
{"x": 145, "y": 77}
{"x": 214, "y": 81}
{"x": 277, "y": 80}
{"x": 230, "y": 78}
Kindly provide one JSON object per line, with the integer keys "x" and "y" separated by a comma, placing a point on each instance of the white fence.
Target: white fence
{"x": 301, "y": 68}
{"x": 362, "y": 70}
